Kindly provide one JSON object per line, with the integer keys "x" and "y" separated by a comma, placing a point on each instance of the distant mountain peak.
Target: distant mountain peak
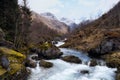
{"x": 72, "y": 25}
{"x": 49, "y": 15}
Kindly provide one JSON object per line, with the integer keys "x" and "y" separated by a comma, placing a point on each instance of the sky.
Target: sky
{"x": 76, "y": 10}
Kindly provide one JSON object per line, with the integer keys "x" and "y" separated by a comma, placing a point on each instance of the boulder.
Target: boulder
{"x": 106, "y": 46}
{"x": 71, "y": 59}
{"x": 45, "y": 64}
{"x": 93, "y": 63}
{"x": 46, "y": 51}
{"x": 84, "y": 72}
{"x": 52, "y": 53}
{"x": 16, "y": 66}
{"x": 30, "y": 63}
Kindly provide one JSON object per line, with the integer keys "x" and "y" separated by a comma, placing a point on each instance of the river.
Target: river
{"x": 69, "y": 71}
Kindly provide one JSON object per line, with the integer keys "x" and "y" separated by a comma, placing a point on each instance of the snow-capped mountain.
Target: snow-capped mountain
{"x": 49, "y": 15}
{"x": 70, "y": 23}
{"x": 51, "y": 22}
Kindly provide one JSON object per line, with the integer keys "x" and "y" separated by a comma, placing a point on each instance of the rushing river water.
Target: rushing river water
{"x": 69, "y": 71}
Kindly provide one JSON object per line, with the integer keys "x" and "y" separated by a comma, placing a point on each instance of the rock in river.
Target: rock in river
{"x": 72, "y": 59}
{"x": 45, "y": 64}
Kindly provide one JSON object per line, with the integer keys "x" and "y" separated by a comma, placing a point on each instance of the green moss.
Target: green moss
{"x": 45, "y": 45}
{"x": 2, "y": 71}
{"x": 10, "y": 52}
{"x": 14, "y": 68}
{"x": 16, "y": 60}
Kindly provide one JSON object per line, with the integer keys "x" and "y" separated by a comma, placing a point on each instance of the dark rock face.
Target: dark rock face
{"x": 45, "y": 64}
{"x": 30, "y": 63}
{"x": 108, "y": 45}
{"x": 72, "y": 59}
{"x": 4, "y": 62}
{"x": 93, "y": 63}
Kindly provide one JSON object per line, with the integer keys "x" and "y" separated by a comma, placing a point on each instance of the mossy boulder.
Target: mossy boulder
{"x": 71, "y": 59}
{"x": 45, "y": 64}
{"x": 16, "y": 65}
{"x": 46, "y": 51}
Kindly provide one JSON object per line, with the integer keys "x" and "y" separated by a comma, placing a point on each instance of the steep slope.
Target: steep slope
{"x": 48, "y": 15}
{"x": 45, "y": 28}
{"x": 99, "y": 36}
{"x": 51, "y": 23}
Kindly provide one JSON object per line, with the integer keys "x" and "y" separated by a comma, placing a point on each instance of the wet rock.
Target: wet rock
{"x": 71, "y": 59}
{"x": 46, "y": 51}
{"x": 51, "y": 53}
{"x": 35, "y": 58}
{"x": 30, "y": 63}
{"x": 84, "y": 72}
{"x": 93, "y": 63}
{"x": 45, "y": 64}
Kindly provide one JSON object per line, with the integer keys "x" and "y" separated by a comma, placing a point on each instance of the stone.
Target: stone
{"x": 45, "y": 64}
{"x": 84, "y": 72}
{"x": 30, "y": 63}
{"x": 71, "y": 59}
{"x": 93, "y": 63}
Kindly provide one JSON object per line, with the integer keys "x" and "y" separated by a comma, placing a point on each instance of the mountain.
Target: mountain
{"x": 49, "y": 15}
{"x": 44, "y": 28}
{"x": 72, "y": 25}
{"x": 99, "y": 36}
{"x": 51, "y": 22}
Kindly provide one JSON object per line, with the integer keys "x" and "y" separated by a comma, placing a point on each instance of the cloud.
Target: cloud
{"x": 44, "y": 5}
{"x": 73, "y": 9}
{"x": 86, "y": 2}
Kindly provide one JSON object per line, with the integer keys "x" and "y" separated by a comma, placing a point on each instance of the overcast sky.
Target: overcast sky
{"x": 72, "y": 9}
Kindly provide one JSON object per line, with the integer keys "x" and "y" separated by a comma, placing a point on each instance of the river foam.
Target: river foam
{"x": 69, "y": 71}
